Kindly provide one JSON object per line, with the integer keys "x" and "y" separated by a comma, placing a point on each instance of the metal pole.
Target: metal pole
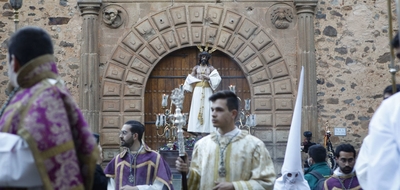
{"x": 392, "y": 68}
{"x": 16, "y": 19}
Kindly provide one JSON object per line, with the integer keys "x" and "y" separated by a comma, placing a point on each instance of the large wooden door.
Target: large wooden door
{"x": 171, "y": 71}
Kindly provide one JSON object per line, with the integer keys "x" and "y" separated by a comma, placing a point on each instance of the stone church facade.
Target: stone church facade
{"x": 110, "y": 54}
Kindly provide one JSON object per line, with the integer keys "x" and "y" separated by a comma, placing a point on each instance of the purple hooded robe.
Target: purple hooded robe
{"x": 44, "y": 114}
{"x": 150, "y": 166}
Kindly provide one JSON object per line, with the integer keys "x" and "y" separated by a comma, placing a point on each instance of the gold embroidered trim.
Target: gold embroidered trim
{"x": 51, "y": 152}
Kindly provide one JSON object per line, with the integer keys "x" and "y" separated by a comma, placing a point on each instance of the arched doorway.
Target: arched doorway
{"x": 171, "y": 71}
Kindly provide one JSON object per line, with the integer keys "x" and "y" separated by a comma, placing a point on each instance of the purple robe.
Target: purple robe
{"x": 349, "y": 182}
{"x": 150, "y": 166}
{"x": 45, "y": 115}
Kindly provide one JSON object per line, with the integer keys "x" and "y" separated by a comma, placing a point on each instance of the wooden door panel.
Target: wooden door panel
{"x": 171, "y": 71}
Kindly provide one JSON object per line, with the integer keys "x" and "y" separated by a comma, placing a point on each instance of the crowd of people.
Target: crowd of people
{"x": 41, "y": 121}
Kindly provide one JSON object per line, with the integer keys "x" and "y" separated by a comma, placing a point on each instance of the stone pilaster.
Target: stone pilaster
{"x": 89, "y": 68}
{"x": 306, "y": 56}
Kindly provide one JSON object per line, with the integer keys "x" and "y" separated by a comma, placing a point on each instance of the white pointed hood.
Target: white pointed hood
{"x": 292, "y": 161}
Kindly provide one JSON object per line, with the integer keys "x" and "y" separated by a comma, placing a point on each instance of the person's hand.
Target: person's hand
{"x": 127, "y": 187}
{"x": 223, "y": 186}
{"x": 205, "y": 77}
{"x": 182, "y": 166}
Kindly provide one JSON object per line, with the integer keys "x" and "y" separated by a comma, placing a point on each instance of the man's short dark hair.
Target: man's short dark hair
{"x": 389, "y": 89}
{"x": 232, "y": 100}
{"x": 29, "y": 43}
{"x": 395, "y": 42}
{"x": 344, "y": 148}
{"x": 317, "y": 153}
{"x": 136, "y": 127}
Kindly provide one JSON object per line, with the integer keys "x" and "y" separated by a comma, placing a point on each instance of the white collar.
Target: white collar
{"x": 230, "y": 134}
{"x": 341, "y": 174}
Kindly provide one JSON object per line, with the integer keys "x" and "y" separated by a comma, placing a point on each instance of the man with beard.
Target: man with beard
{"x": 228, "y": 158}
{"x": 344, "y": 177}
{"x": 138, "y": 167}
{"x": 205, "y": 79}
{"x": 41, "y": 111}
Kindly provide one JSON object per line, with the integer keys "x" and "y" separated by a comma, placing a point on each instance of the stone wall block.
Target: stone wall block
{"x": 148, "y": 55}
{"x": 111, "y": 105}
{"x": 223, "y": 39}
{"x": 197, "y": 34}
{"x": 196, "y": 14}
{"x": 247, "y": 28}
{"x": 231, "y": 20}
{"x": 211, "y": 35}
{"x": 139, "y": 65}
{"x": 145, "y": 29}
{"x": 282, "y": 104}
{"x": 264, "y": 135}
{"x": 283, "y": 86}
{"x": 271, "y": 54}
{"x": 246, "y": 54}
{"x": 254, "y": 64}
{"x": 115, "y": 72}
{"x": 178, "y": 15}
{"x": 236, "y": 44}
{"x": 122, "y": 56}
{"x": 111, "y": 89}
{"x": 214, "y": 15}
{"x": 169, "y": 39}
{"x": 158, "y": 46}
{"x": 263, "y": 89}
{"x": 111, "y": 122}
{"x": 161, "y": 20}
{"x": 183, "y": 35}
{"x": 133, "y": 90}
{"x": 261, "y": 40}
{"x": 262, "y": 104}
{"x": 132, "y": 41}
{"x": 110, "y": 139}
{"x": 134, "y": 105}
{"x": 133, "y": 77}
{"x": 283, "y": 119}
{"x": 278, "y": 70}
{"x": 282, "y": 135}
{"x": 259, "y": 76}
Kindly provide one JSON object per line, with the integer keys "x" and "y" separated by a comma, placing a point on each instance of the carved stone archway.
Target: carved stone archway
{"x": 247, "y": 42}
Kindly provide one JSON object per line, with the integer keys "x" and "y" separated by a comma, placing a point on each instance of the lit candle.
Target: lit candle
{"x": 164, "y": 101}
{"x": 161, "y": 120}
{"x": 247, "y": 104}
{"x": 253, "y": 120}
{"x": 158, "y": 121}
{"x": 232, "y": 88}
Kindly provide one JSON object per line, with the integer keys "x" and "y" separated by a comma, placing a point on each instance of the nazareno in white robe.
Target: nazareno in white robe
{"x": 383, "y": 170}
{"x": 194, "y": 125}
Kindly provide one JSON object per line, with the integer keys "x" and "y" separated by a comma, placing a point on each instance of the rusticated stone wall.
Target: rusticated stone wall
{"x": 352, "y": 47}
{"x": 63, "y": 22}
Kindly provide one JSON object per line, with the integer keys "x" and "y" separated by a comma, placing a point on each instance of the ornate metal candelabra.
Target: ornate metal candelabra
{"x": 171, "y": 125}
{"x": 247, "y": 120}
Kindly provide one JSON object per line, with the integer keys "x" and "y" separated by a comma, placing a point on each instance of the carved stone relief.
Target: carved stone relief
{"x": 281, "y": 16}
{"x": 114, "y": 16}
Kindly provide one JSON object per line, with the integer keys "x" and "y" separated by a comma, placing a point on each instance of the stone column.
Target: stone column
{"x": 89, "y": 67}
{"x": 306, "y": 56}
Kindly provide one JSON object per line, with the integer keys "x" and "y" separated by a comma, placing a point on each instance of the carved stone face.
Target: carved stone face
{"x": 111, "y": 14}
